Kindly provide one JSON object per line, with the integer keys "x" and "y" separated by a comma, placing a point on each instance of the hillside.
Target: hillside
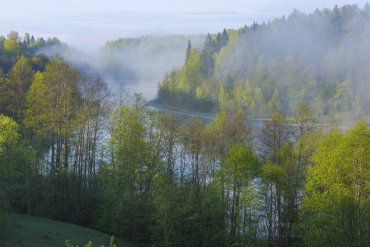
{"x": 75, "y": 148}
{"x": 29, "y": 231}
{"x": 318, "y": 59}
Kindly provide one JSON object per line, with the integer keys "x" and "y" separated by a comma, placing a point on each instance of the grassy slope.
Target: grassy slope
{"x": 28, "y": 231}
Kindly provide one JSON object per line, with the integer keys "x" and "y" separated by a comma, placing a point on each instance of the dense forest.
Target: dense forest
{"x": 319, "y": 59}
{"x": 67, "y": 152}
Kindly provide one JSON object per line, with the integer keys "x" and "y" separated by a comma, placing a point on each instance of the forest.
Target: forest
{"x": 318, "y": 59}
{"x": 68, "y": 152}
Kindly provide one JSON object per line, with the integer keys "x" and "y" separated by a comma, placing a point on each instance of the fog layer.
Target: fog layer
{"x": 131, "y": 65}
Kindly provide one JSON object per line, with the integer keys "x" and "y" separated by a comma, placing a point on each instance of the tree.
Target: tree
{"x": 13, "y": 44}
{"x": 125, "y": 193}
{"x": 52, "y": 103}
{"x": 52, "y": 116}
{"x": 3, "y": 92}
{"x": 238, "y": 168}
{"x": 9, "y": 138}
{"x": 207, "y": 54}
{"x": 336, "y": 203}
{"x": 191, "y": 72}
{"x": 220, "y": 128}
{"x": 87, "y": 146}
{"x": 188, "y": 50}
{"x": 222, "y": 98}
{"x": 274, "y": 134}
{"x": 221, "y": 40}
{"x": 305, "y": 135}
{"x": 239, "y": 130}
{"x": 304, "y": 119}
{"x": 15, "y": 169}
{"x": 167, "y": 215}
{"x": 18, "y": 82}
{"x": 5, "y": 136}
{"x": 276, "y": 174}
{"x": 170, "y": 128}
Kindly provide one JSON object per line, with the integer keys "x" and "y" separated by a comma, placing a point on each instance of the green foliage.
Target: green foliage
{"x": 165, "y": 182}
{"x": 12, "y": 169}
{"x": 240, "y": 162}
{"x": 9, "y": 136}
{"x": 52, "y": 101}
{"x": 9, "y": 144}
{"x": 189, "y": 86}
{"x": 131, "y": 173}
{"x": 13, "y": 44}
{"x": 238, "y": 168}
{"x": 336, "y": 200}
{"x": 17, "y": 83}
{"x": 256, "y": 69}
{"x": 14, "y": 48}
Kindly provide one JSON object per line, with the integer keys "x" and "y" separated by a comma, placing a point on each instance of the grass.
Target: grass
{"x": 29, "y": 231}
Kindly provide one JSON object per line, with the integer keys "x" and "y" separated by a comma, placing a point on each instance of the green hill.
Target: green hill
{"x": 29, "y": 231}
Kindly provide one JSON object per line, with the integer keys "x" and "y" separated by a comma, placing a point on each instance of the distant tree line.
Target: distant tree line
{"x": 319, "y": 59}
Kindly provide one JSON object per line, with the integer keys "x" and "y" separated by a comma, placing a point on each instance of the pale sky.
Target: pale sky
{"x": 96, "y": 21}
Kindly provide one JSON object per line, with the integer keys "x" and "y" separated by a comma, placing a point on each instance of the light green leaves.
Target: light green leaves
{"x": 8, "y": 133}
{"x": 337, "y": 189}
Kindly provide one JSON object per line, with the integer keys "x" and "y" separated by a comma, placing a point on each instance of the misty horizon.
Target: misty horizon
{"x": 89, "y": 26}
{"x": 160, "y": 40}
{"x": 121, "y": 24}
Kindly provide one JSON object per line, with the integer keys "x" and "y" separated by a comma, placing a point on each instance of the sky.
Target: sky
{"x": 90, "y": 23}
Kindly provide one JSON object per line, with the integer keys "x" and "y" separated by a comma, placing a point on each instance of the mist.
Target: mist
{"x": 319, "y": 58}
{"x": 130, "y": 65}
{"x": 141, "y": 63}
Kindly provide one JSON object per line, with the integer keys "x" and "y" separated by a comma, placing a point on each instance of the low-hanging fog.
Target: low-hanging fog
{"x": 318, "y": 58}
{"x": 131, "y": 65}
